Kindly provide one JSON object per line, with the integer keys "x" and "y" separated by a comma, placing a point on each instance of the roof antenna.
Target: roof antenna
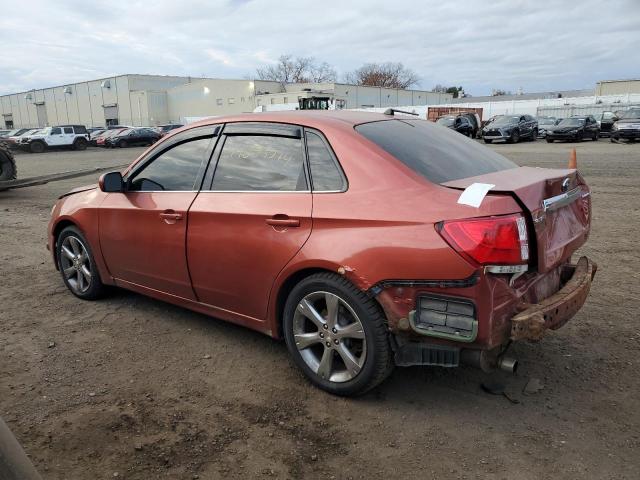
{"x": 392, "y": 111}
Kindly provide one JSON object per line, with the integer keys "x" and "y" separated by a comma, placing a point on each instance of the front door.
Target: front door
{"x": 55, "y": 137}
{"x": 254, "y": 218}
{"x": 143, "y": 230}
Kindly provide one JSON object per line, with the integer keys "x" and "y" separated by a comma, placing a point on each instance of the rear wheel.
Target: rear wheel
{"x": 337, "y": 335}
{"x": 549, "y": 140}
{"x": 8, "y": 170}
{"x": 37, "y": 147}
{"x": 122, "y": 144}
{"x": 80, "y": 144}
{"x": 595, "y": 137}
{"x": 515, "y": 137}
{"x": 77, "y": 265}
{"x": 534, "y": 135}
{"x": 486, "y": 140}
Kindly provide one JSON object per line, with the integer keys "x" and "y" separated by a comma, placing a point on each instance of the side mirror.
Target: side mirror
{"x": 111, "y": 182}
{"x": 615, "y": 118}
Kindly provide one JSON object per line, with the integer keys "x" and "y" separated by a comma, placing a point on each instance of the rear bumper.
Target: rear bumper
{"x": 556, "y": 310}
{"x": 625, "y": 133}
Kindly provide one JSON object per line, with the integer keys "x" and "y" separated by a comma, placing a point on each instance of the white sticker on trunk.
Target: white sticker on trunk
{"x": 474, "y": 194}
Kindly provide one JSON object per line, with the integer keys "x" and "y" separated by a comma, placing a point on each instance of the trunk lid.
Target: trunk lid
{"x": 557, "y": 202}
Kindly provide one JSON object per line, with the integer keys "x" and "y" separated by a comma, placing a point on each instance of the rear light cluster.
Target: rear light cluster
{"x": 499, "y": 240}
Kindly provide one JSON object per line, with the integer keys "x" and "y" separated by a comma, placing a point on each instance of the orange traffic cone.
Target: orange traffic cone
{"x": 573, "y": 161}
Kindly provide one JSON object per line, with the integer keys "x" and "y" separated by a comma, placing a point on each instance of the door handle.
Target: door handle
{"x": 282, "y": 221}
{"x": 170, "y": 216}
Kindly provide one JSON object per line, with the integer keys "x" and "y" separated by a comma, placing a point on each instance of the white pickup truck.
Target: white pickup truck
{"x": 62, "y": 136}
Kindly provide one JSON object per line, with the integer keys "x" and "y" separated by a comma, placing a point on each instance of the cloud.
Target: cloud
{"x": 536, "y": 45}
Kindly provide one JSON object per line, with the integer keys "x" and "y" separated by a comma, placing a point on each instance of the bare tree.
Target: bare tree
{"x": 388, "y": 74}
{"x": 297, "y": 70}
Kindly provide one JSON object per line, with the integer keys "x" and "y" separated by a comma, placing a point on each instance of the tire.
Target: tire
{"x": 8, "y": 170}
{"x": 515, "y": 137}
{"x": 79, "y": 273}
{"x": 122, "y": 144}
{"x": 549, "y": 140}
{"x": 80, "y": 144}
{"x": 369, "y": 353}
{"x": 37, "y": 147}
{"x": 534, "y": 135}
{"x": 595, "y": 137}
{"x": 486, "y": 140}
{"x": 580, "y": 137}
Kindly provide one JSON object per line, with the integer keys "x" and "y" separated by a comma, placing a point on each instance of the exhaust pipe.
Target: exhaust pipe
{"x": 508, "y": 364}
{"x": 488, "y": 360}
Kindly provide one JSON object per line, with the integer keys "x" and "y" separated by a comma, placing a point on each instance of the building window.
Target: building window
{"x": 285, "y": 100}
{"x": 231, "y": 101}
{"x": 242, "y": 99}
{"x": 219, "y": 101}
{"x": 259, "y": 100}
{"x": 273, "y": 100}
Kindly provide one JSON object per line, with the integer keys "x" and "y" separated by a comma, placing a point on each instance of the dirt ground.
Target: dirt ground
{"x": 133, "y": 388}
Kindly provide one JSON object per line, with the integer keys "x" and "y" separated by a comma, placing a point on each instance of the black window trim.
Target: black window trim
{"x": 213, "y": 164}
{"x": 209, "y": 131}
{"x": 345, "y": 180}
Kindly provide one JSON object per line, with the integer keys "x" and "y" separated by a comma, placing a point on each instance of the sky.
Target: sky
{"x": 481, "y": 45}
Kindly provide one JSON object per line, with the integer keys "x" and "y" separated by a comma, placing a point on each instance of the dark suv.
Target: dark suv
{"x": 575, "y": 128}
{"x": 511, "y": 128}
{"x": 131, "y": 137}
{"x": 459, "y": 123}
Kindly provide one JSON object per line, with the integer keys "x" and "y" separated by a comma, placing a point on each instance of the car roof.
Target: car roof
{"x": 307, "y": 118}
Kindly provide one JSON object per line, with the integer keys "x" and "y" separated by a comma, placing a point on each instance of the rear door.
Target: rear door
{"x": 143, "y": 230}
{"x": 252, "y": 217}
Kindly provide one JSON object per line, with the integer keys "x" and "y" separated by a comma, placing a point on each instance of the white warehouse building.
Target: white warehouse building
{"x": 146, "y": 100}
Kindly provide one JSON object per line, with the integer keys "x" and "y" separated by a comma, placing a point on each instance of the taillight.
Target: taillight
{"x": 500, "y": 240}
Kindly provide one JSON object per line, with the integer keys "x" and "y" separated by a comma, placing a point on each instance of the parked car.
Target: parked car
{"x": 5, "y": 133}
{"x": 218, "y": 218}
{"x": 459, "y": 123}
{"x": 628, "y": 126}
{"x": 93, "y": 136}
{"x": 543, "y": 124}
{"x": 164, "y": 129}
{"x": 575, "y": 128}
{"x": 15, "y": 136}
{"x": 132, "y": 137}
{"x": 605, "y": 122}
{"x": 102, "y": 138}
{"x": 63, "y": 136}
{"x": 511, "y": 128}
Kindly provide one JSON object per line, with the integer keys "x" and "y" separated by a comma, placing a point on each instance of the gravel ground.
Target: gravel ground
{"x": 133, "y": 388}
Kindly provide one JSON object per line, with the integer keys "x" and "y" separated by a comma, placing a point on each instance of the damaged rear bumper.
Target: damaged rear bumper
{"x": 553, "y": 312}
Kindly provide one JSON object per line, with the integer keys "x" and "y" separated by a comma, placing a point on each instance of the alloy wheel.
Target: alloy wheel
{"x": 75, "y": 264}
{"x": 329, "y": 336}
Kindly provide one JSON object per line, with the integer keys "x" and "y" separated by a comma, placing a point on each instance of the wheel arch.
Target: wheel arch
{"x": 283, "y": 290}
{"x": 57, "y": 228}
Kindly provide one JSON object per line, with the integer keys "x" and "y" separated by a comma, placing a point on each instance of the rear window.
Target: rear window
{"x": 440, "y": 155}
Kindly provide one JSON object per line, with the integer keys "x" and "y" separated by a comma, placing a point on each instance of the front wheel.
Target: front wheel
{"x": 77, "y": 265}
{"x": 549, "y": 140}
{"x": 122, "y": 144}
{"x": 337, "y": 335}
{"x": 486, "y": 140}
{"x": 37, "y": 147}
{"x": 515, "y": 137}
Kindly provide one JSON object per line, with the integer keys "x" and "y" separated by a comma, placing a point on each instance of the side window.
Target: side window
{"x": 68, "y": 130}
{"x": 174, "y": 170}
{"x": 260, "y": 162}
{"x": 80, "y": 129}
{"x": 325, "y": 173}
{"x": 56, "y": 131}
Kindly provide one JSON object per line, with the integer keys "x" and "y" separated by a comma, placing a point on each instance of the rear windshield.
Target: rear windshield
{"x": 438, "y": 154}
